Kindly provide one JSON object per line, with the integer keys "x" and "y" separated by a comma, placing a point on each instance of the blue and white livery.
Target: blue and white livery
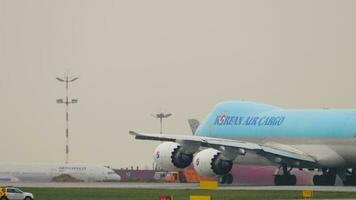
{"x": 254, "y": 133}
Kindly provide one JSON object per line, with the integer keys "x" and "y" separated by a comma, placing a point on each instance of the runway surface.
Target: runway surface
{"x": 180, "y": 186}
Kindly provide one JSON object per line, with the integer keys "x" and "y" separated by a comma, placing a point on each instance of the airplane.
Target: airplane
{"x": 33, "y": 172}
{"x": 244, "y": 132}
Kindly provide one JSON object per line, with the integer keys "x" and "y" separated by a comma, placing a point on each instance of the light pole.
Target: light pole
{"x": 161, "y": 116}
{"x": 66, "y": 101}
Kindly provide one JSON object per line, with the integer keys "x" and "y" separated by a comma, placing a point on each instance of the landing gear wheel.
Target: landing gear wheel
{"x": 277, "y": 180}
{"x": 285, "y": 179}
{"x": 229, "y": 178}
{"x": 292, "y": 180}
{"x": 222, "y": 180}
{"x": 226, "y": 179}
{"x": 317, "y": 180}
{"x": 350, "y": 179}
{"x": 323, "y": 180}
{"x": 326, "y": 179}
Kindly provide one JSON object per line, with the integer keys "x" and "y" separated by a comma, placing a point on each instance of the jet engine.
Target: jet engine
{"x": 210, "y": 162}
{"x": 171, "y": 156}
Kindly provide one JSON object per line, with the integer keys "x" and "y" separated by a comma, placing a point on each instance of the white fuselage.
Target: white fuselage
{"x": 27, "y": 172}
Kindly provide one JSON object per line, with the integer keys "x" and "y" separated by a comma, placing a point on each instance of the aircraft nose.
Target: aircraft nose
{"x": 117, "y": 177}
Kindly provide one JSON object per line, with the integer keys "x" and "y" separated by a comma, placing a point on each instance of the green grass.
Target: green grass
{"x": 142, "y": 194}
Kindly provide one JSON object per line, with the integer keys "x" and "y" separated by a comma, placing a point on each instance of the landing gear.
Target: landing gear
{"x": 286, "y": 178}
{"x": 327, "y": 178}
{"x": 350, "y": 178}
{"x": 229, "y": 178}
{"x": 226, "y": 179}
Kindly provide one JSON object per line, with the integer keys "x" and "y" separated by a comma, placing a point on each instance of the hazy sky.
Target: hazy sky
{"x": 139, "y": 57}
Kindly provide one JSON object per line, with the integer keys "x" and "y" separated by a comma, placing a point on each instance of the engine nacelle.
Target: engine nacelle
{"x": 170, "y": 156}
{"x": 210, "y": 162}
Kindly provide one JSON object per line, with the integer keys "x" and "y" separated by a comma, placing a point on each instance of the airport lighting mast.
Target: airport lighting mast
{"x": 66, "y": 79}
{"x": 161, "y": 116}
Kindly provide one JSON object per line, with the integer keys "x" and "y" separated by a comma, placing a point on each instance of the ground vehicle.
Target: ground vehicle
{"x": 12, "y": 193}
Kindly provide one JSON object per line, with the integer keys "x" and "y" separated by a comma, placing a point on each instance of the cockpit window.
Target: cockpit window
{"x": 111, "y": 173}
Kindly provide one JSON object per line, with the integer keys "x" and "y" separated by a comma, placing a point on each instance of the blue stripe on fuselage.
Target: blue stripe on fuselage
{"x": 238, "y": 119}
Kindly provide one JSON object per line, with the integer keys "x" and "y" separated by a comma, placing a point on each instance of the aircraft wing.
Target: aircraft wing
{"x": 270, "y": 152}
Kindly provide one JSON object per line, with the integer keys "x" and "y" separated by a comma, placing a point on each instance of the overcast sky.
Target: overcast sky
{"x": 138, "y": 57}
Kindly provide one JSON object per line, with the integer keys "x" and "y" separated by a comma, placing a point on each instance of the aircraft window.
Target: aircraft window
{"x": 111, "y": 173}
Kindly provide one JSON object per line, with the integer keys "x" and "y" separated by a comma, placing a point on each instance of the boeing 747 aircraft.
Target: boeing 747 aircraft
{"x": 239, "y": 132}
